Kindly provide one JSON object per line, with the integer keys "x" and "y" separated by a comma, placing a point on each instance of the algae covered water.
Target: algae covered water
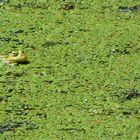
{"x": 82, "y": 81}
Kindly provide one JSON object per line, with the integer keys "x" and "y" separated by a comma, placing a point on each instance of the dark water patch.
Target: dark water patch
{"x": 103, "y": 62}
{"x": 53, "y": 43}
{"x": 18, "y": 7}
{"x": 9, "y": 126}
{"x": 48, "y": 81}
{"x": 62, "y": 91}
{"x": 67, "y": 6}
{"x": 7, "y": 81}
{"x": 13, "y": 46}
{"x": 31, "y": 126}
{"x": 136, "y": 8}
{"x": 41, "y": 114}
{"x": 13, "y": 125}
{"x": 31, "y": 29}
{"x": 36, "y": 5}
{"x": 127, "y": 111}
{"x": 7, "y": 39}
{"x": 120, "y": 51}
{"x": 130, "y": 94}
{"x": 15, "y": 74}
{"x": 129, "y": 9}
{"x": 59, "y": 22}
{"x": 136, "y": 78}
{"x": 4, "y": 1}
{"x": 28, "y": 4}
{"x": 124, "y": 9}
{"x": 26, "y": 107}
{"x": 72, "y": 130}
{"x": 84, "y": 30}
{"x": 17, "y": 41}
{"x": 10, "y": 90}
{"x": 19, "y": 31}
{"x": 127, "y": 95}
{"x": 17, "y": 111}
{"x": 23, "y": 110}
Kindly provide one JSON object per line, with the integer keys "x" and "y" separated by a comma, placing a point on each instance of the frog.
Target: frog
{"x": 15, "y": 58}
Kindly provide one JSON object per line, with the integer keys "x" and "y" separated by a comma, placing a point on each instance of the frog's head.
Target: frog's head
{"x": 13, "y": 54}
{"x": 21, "y": 53}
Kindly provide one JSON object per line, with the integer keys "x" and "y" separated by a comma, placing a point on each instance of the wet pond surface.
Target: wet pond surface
{"x": 83, "y": 79}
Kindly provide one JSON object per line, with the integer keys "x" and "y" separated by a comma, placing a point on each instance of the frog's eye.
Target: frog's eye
{"x": 14, "y": 53}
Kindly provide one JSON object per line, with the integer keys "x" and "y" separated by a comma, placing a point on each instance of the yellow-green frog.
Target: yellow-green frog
{"x": 15, "y": 57}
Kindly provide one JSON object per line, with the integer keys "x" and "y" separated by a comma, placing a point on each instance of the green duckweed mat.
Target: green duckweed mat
{"x": 83, "y": 79}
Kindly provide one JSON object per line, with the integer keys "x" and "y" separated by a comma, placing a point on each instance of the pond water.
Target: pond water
{"x": 82, "y": 81}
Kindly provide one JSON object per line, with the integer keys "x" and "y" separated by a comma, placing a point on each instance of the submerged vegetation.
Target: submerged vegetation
{"x": 83, "y": 79}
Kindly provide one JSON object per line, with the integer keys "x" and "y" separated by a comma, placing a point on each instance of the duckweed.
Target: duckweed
{"x": 83, "y": 79}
